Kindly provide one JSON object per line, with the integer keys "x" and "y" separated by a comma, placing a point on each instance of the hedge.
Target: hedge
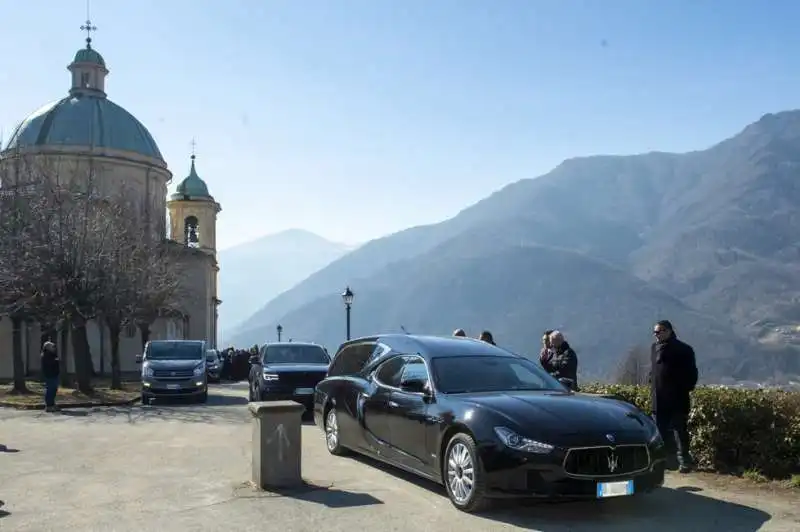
{"x": 734, "y": 430}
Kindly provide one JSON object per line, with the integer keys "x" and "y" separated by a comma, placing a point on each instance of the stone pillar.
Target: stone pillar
{"x": 277, "y": 444}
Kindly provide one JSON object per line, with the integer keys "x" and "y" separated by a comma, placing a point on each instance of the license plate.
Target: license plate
{"x": 614, "y": 489}
{"x": 173, "y": 386}
{"x": 304, "y": 391}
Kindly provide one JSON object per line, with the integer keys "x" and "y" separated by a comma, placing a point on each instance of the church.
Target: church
{"x": 86, "y": 128}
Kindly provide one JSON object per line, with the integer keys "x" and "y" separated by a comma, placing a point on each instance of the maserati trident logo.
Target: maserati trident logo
{"x": 611, "y": 439}
{"x": 613, "y": 462}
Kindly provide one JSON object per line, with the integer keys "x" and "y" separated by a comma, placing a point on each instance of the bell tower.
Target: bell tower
{"x": 193, "y": 223}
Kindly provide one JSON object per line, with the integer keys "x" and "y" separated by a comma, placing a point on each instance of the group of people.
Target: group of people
{"x": 673, "y": 377}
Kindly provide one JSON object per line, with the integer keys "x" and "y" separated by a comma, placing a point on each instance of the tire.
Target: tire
{"x": 463, "y": 475}
{"x": 203, "y": 397}
{"x": 332, "y": 438}
{"x": 146, "y": 400}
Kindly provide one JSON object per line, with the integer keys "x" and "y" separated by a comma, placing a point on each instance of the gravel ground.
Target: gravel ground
{"x": 186, "y": 467}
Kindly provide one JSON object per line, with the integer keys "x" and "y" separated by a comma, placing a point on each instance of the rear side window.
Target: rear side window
{"x": 351, "y": 359}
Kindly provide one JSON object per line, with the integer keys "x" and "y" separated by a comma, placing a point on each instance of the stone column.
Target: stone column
{"x": 277, "y": 444}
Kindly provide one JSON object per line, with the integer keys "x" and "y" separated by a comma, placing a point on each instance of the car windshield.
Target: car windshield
{"x": 175, "y": 351}
{"x": 491, "y": 373}
{"x": 295, "y": 354}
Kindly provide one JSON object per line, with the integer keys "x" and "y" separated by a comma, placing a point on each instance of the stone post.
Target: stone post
{"x": 277, "y": 444}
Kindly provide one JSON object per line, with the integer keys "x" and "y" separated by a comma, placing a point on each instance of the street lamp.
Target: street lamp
{"x": 280, "y": 330}
{"x": 347, "y": 298}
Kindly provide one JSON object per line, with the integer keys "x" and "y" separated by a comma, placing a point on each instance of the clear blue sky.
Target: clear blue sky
{"x": 356, "y": 118}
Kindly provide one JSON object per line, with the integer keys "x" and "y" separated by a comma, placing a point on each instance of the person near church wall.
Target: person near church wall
{"x": 51, "y": 369}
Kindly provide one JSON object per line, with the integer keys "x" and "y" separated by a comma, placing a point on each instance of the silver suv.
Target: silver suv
{"x": 174, "y": 368}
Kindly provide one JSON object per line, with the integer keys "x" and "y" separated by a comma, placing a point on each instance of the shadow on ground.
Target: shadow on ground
{"x": 3, "y": 513}
{"x": 7, "y": 449}
{"x": 329, "y": 496}
{"x": 665, "y": 509}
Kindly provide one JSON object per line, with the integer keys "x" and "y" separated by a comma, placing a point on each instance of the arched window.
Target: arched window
{"x": 191, "y": 232}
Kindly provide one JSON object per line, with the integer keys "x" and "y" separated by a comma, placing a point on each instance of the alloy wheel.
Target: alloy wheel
{"x": 332, "y": 430}
{"x": 460, "y": 473}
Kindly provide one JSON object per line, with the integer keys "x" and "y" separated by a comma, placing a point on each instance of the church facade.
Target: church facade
{"x": 87, "y": 130}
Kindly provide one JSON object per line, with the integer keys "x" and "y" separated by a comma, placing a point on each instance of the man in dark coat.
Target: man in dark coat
{"x": 51, "y": 368}
{"x": 562, "y": 362}
{"x": 673, "y": 376}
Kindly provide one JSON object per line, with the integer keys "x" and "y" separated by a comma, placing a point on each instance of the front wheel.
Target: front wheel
{"x": 203, "y": 397}
{"x": 332, "y": 441}
{"x": 463, "y": 475}
{"x": 146, "y": 399}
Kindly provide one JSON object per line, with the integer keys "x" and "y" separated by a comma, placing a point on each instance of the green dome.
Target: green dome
{"x": 192, "y": 187}
{"x": 89, "y": 55}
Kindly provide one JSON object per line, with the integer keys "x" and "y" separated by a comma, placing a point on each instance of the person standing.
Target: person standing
{"x": 673, "y": 376}
{"x": 547, "y": 351}
{"x": 487, "y": 337}
{"x": 51, "y": 369}
{"x": 563, "y": 363}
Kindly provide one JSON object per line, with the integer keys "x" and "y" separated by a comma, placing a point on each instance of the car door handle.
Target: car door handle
{"x": 392, "y": 404}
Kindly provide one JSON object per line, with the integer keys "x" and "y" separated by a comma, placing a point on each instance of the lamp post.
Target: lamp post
{"x": 279, "y": 329}
{"x": 347, "y": 298}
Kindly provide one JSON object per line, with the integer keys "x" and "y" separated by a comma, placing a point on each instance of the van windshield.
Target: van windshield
{"x": 174, "y": 351}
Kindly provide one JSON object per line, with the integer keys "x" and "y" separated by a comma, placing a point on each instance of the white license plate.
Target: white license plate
{"x": 304, "y": 391}
{"x": 173, "y": 386}
{"x": 614, "y": 489}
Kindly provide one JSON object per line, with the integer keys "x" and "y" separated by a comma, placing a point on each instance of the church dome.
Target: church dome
{"x": 86, "y": 121}
{"x": 86, "y": 118}
{"x": 192, "y": 187}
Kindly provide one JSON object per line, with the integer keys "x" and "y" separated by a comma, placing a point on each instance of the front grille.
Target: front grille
{"x": 300, "y": 379}
{"x": 606, "y": 461}
{"x": 173, "y": 374}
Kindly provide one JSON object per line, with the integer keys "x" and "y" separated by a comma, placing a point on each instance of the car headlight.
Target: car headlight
{"x": 519, "y": 443}
{"x": 270, "y": 377}
{"x": 147, "y": 371}
{"x": 198, "y": 370}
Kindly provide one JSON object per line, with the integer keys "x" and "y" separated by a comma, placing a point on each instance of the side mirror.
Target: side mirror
{"x": 254, "y": 359}
{"x": 138, "y": 359}
{"x": 569, "y": 384}
{"x": 414, "y": 386}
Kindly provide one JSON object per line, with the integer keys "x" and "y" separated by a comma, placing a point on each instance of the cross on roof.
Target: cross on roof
{"x": 88, "y": 27}
{"x": 194, "y": 145}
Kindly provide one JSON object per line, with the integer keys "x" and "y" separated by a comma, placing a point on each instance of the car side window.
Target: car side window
{"x": 351, "y": 359}
{"x": 414, "y": 369}
{"x": 390, "y": 372}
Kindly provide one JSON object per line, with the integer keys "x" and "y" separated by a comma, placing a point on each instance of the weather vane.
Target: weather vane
{"x": 88, "y": 27}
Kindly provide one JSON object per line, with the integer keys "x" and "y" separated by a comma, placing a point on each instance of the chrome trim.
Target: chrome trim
{"x": 610, "y": 448}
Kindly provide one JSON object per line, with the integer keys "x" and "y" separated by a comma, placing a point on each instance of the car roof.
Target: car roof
{"x": 289, "y": 344}
{"x": 435, "y": 346}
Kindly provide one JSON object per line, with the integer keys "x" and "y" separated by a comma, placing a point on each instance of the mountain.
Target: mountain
{"x": 257, "y": 271}
{"x": 708, "y": 239}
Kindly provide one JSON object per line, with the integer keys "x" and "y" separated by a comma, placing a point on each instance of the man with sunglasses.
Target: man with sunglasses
{"x": 673, "y": 376}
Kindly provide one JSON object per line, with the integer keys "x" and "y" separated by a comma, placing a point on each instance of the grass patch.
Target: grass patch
{"x": 794, "y": 482}
{"x": 102, "y": 395}
{"x": 755, "y": 476}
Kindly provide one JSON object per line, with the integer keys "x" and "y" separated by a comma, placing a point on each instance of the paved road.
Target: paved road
{"x": 185, "y": 467}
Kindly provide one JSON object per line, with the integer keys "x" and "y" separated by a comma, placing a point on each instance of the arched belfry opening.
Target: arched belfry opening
{"x": 191, "y": 232}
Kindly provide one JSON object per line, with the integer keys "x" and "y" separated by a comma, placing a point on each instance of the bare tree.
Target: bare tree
{"x": 138, "y": 272}
{"x": 634, "y": 369}
{"x": 64, "y": 238}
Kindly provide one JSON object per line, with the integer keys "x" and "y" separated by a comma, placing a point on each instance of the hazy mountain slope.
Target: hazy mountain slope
{"x": 516, "y": 291}
{"x": 257, "y": 271}
{"x": 717, "y": 228}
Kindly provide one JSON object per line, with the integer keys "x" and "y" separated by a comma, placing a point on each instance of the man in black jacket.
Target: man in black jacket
{"x": 673, "y": 376}
{"x": 51, "y": 368}
{"x": 562, "y": 361}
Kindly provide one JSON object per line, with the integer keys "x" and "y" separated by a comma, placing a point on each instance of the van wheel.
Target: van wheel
{"x": 203, "y": 398}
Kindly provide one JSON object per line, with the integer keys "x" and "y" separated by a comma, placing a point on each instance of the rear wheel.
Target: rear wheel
{"x": 463, "y": 475}
{"x": 332, "y": 441}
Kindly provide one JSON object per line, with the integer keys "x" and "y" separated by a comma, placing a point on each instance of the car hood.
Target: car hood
{"x": 173, "y": 364}
{"x": 566, "y": 418}
{"x": 296, "y": 368}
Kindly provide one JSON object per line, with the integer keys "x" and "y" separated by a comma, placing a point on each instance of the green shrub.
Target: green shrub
{"x": 734, "y": 430}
